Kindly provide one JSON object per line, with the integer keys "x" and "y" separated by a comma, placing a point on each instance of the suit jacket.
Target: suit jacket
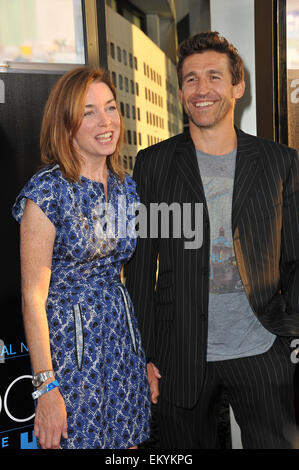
{"x": 172, "y": 311}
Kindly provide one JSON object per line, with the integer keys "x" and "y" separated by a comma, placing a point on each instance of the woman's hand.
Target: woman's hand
{"x": 50, "y": 420}
{"x": 153, "y": 376}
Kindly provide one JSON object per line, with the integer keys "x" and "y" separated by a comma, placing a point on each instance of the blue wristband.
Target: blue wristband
{"x": 45, "y": 389}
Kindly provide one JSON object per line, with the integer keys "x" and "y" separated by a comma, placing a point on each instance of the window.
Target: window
{"x": 120, "y": 81}
{"x": 292, "y": 66}
{"x": 137, "y": 88}
{"x": 135, "y": 63}
{"x": 132, "y": 87}
{"x": 138, "y": 114}
{"x": 134, "y": 137}
{"x": 129, "y": 137}
{"x": 127, "y": 110}
{"x": 46, "y": 31}
{"x": 133, "y": 112}
{"x": 113, "y": 76}
{"x": 125, "y": 57}
{"x": 139, "y": 138}
{"x": 131, "y": 163}
{"x": 131, "y": 60}
{"x": 122, "y": 108}
{"x": 126, "y": 84}
{"x": 118, "y": 54}
{"x": 112, "y": 50}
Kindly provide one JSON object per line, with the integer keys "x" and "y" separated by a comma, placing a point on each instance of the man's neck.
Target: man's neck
{"x": 214, "y": 141}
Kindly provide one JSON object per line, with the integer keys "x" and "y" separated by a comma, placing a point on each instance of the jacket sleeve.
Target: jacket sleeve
{"x": 140, "y": 271}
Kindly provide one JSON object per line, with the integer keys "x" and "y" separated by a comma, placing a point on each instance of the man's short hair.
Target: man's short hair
{"x": 210, "y": 41}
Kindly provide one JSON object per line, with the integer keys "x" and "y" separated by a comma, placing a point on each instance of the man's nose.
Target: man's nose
{"x": 202, "y": 87}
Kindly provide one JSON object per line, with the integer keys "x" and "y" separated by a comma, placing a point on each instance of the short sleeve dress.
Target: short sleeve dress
{"x": 95, "y": 343}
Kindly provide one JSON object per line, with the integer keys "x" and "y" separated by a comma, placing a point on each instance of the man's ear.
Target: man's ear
{"x": 239, "y": 90}
{"x": 180, "y": 95}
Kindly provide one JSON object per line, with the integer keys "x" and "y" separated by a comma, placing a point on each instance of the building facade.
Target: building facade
{"x": 146, "y": 83}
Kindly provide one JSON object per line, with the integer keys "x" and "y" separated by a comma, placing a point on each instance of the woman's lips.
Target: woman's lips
{"x": 105, "y": 137}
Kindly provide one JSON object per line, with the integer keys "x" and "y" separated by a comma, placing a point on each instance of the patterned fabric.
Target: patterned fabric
{"x": 95, "y": 342}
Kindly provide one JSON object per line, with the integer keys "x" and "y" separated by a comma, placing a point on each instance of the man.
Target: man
{"x": 220, "y": 315}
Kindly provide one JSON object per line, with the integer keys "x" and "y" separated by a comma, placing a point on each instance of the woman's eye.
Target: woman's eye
{"x": 88, "y": 113}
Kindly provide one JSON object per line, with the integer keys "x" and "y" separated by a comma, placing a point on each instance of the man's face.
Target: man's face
{"x": 207, "y": 93}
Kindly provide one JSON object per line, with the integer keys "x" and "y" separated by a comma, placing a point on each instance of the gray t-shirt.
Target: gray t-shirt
{"x": 233, "y": 329}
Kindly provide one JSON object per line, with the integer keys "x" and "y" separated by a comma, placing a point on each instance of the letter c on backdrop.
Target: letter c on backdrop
{"x": 18, "y": 420}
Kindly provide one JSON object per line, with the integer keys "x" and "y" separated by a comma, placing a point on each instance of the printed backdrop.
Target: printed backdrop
{"x": 22, "y": 98}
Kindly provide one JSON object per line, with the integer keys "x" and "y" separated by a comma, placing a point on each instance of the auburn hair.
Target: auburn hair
{"x": 62, "y": 117}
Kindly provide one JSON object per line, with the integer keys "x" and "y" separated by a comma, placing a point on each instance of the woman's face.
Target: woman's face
{"x": 99, "y": 131}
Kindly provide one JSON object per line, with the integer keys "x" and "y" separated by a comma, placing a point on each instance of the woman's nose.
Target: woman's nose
{"x": 103, "y": 119}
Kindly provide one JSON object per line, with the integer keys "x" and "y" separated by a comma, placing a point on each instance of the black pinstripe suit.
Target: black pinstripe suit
{"x": 265, "y": 224}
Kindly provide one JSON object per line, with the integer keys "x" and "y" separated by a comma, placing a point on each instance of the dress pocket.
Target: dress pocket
{"x": 79, "y": 338}
{"x": 129, "y": 318}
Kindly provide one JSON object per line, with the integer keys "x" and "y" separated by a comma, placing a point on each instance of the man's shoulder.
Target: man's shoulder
{"x": 264, "y": 144}
{"x": 164, "y": 145}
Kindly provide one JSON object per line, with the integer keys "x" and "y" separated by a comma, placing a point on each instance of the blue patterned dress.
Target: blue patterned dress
{"x": 95, "y": 342}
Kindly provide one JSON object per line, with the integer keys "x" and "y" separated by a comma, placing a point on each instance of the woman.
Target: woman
{"x": 79, "y": 321}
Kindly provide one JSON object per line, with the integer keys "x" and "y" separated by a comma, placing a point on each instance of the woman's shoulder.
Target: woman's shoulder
{"x": 43, "y": 188}
{"x": 48, "y": 180}
{"x": 48, "y": 175}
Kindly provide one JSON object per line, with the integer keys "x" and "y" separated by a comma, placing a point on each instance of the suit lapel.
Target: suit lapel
{"x": 248, "y": 167}
{"x": 187, "y": 166}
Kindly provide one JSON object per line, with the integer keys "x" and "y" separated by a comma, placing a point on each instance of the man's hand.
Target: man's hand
{"x": 153, "y": 376}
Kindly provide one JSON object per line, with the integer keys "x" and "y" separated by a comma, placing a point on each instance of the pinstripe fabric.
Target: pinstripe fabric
{"x": 260, "y": 390}
{"x": 261, "y": 393}
{"x": 173, "y": 316}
